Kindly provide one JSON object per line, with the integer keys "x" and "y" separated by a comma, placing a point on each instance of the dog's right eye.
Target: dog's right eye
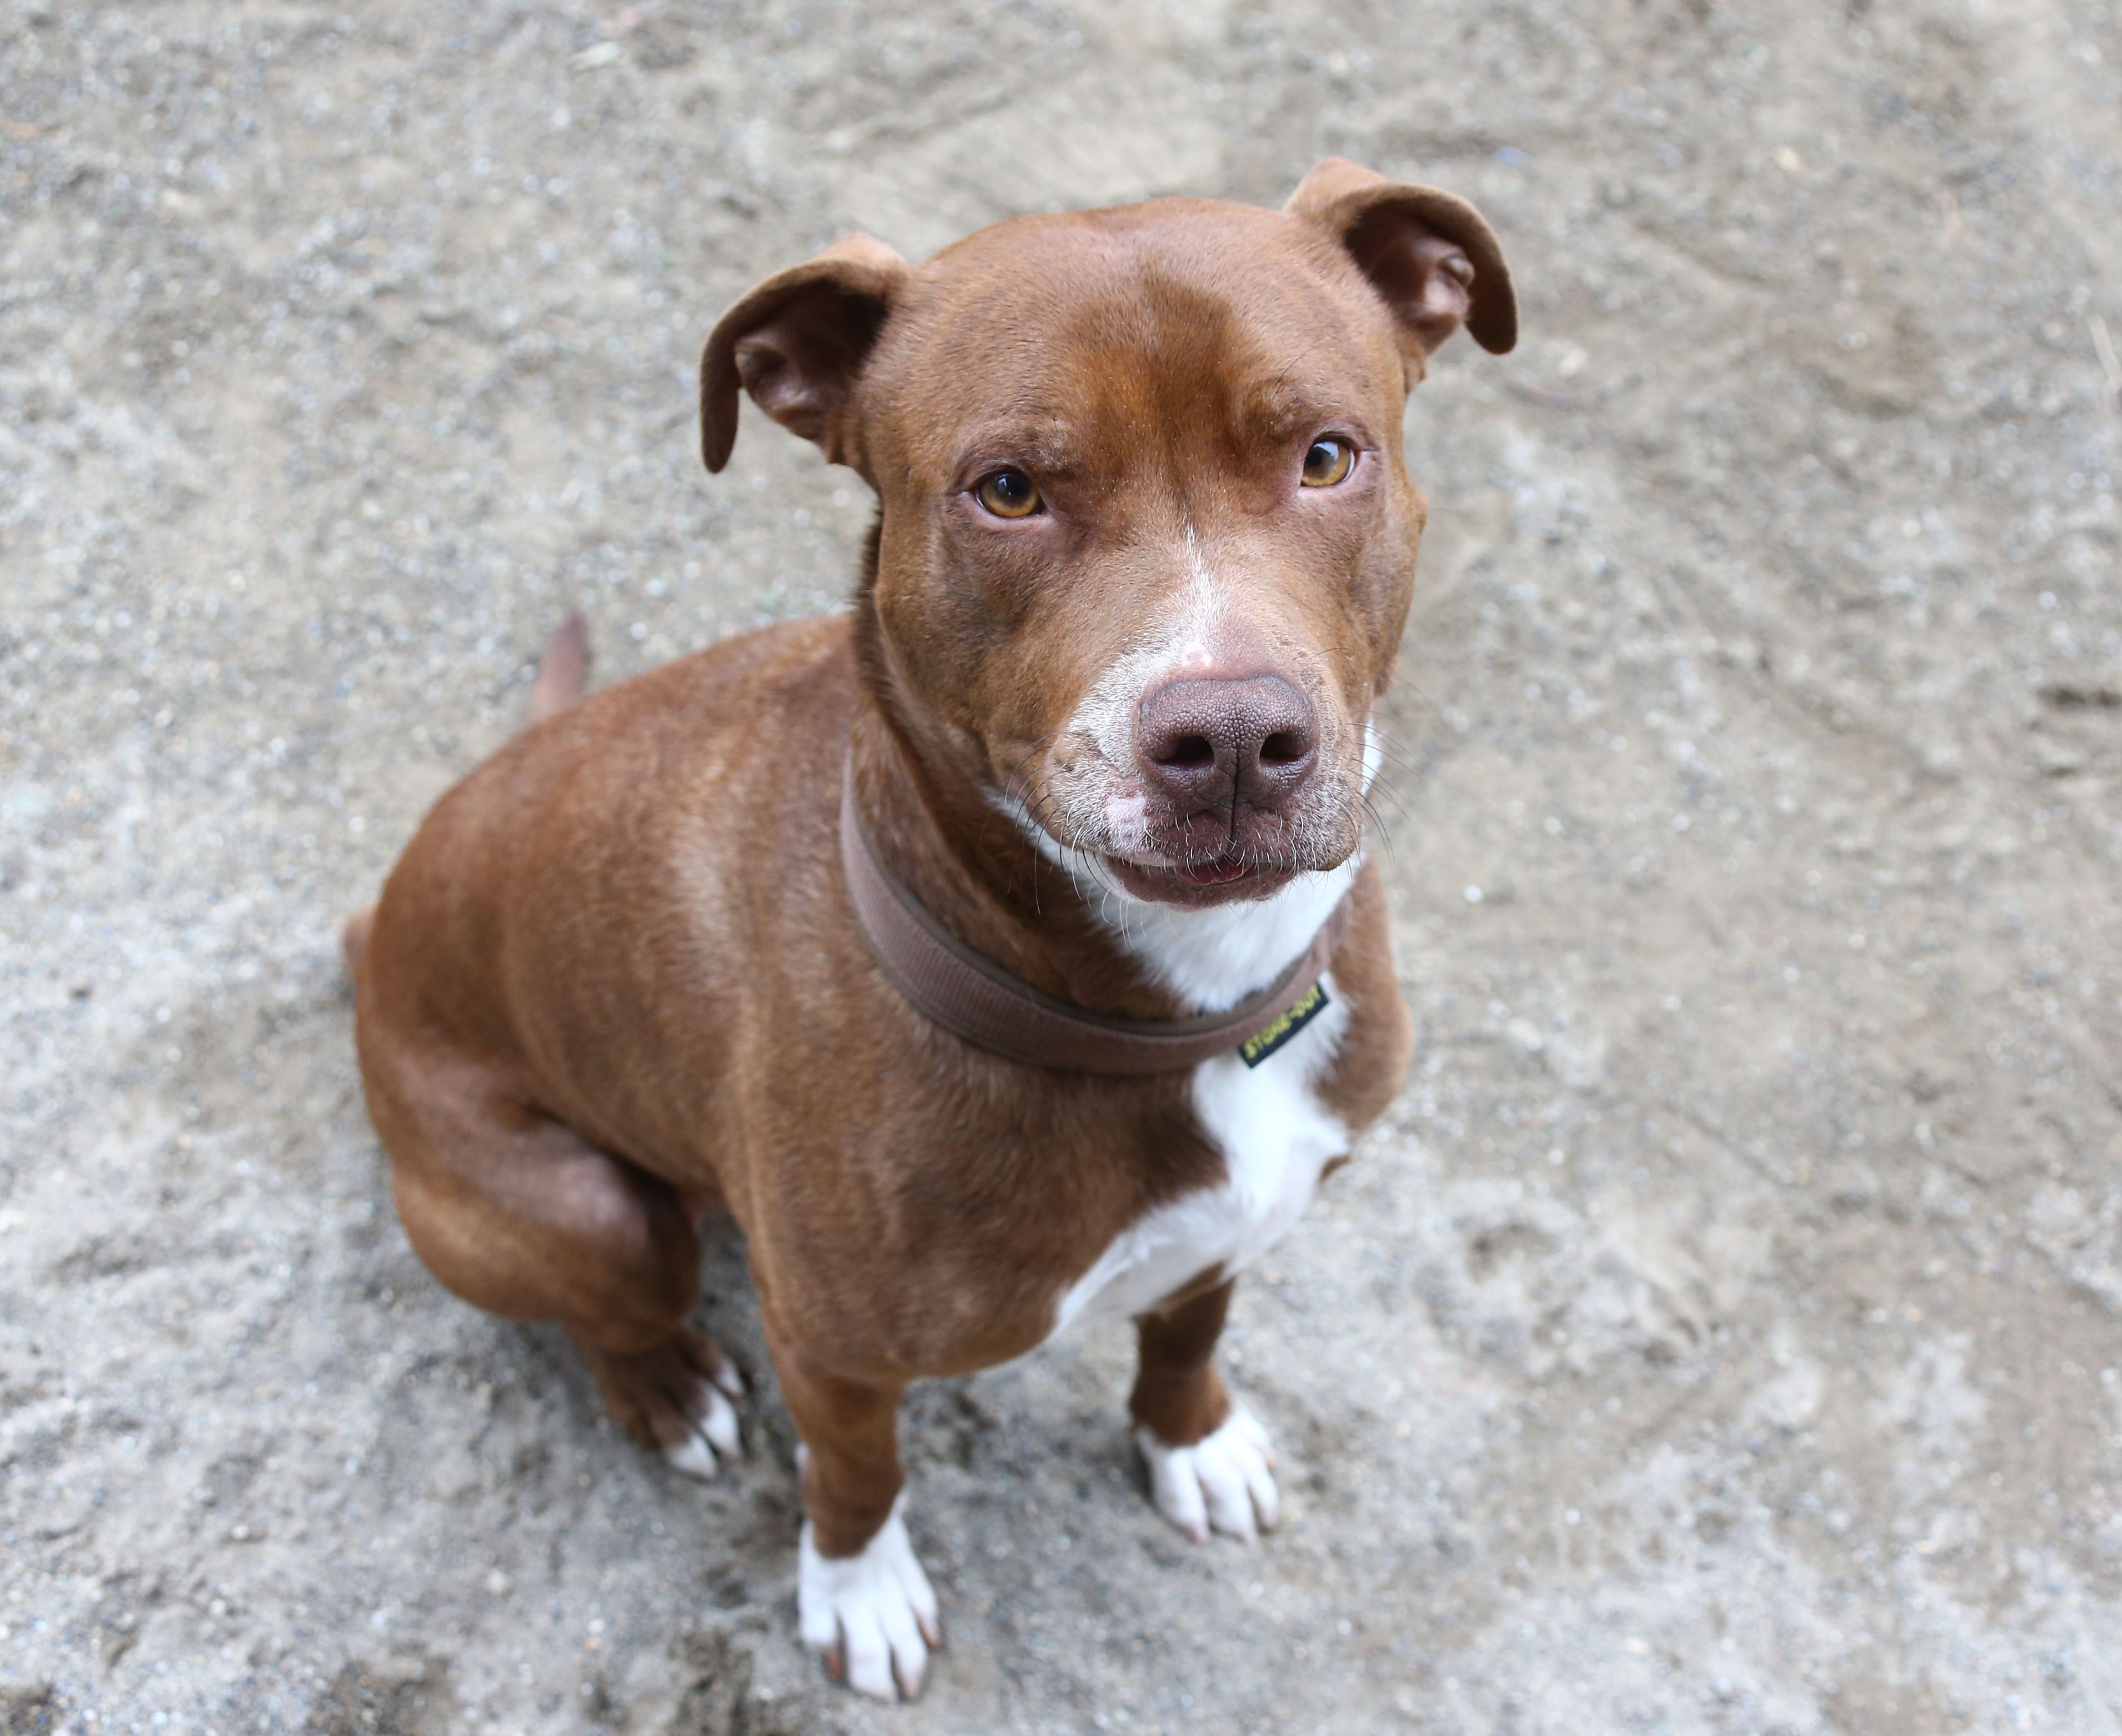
{"x": 1008, "y": 494}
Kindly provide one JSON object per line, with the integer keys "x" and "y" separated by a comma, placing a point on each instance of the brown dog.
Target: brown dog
{"x": 1103, "y": 707}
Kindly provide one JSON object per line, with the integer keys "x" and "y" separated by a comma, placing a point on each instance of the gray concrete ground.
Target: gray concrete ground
{"x": 1724, "y": 1334}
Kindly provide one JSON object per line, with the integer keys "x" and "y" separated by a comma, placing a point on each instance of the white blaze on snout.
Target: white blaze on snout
{"x": 1182, "y": 644}
{"x": 1090, "y": 785}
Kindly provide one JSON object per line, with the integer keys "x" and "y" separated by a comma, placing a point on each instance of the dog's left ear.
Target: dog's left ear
{"x": 1430, "y": 256}
{"x": 797, "y": 342}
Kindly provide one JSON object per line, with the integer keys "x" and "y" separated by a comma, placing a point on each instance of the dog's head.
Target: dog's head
{"x": 1148, "y": 541}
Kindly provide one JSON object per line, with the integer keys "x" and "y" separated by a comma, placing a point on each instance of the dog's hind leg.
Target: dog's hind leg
{"x": 516, "y": 1212}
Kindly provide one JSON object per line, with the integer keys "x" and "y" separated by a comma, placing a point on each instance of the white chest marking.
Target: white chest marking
{"x": 1275, "y": 1135}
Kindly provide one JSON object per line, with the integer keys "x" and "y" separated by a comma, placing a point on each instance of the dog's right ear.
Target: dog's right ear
{"x": 797, "y": 342}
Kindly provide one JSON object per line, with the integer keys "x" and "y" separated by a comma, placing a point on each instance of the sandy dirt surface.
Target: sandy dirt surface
{"x": 1724, "y": 1331}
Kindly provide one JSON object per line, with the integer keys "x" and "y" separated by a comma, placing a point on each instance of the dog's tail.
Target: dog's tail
{"x": 353, "y": 940}
{"x": 563, "y": 672}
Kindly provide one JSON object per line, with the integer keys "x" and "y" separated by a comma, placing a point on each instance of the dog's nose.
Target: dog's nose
{"x": 1212, "y": 743}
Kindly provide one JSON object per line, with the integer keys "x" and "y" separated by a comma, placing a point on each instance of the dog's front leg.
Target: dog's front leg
{"x": 862, "y": 1600}
{"x": 1209, "y": 1460}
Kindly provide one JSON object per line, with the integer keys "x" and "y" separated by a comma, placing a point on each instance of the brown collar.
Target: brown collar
{"x": 972, "y": 996}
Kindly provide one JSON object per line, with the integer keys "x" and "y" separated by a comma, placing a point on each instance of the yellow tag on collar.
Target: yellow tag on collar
{"x": 1302, "y": 1010}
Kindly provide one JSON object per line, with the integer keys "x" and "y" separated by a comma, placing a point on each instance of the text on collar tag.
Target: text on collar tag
{"x": 1261, "y": 1044}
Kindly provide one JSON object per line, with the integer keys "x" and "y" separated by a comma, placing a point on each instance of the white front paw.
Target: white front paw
{"x": 872, "y": 1615}
{"x": 1226, "y": 1480}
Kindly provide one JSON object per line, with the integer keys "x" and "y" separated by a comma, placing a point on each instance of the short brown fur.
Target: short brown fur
{"x": 615, "y": 982}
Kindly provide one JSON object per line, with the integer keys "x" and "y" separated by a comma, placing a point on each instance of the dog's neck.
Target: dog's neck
{"x": 1050, "y": 915}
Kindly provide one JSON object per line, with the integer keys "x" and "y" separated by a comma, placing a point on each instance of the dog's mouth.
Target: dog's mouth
{"x": 1230, "y": 878}
{"x": 1193, "y": 862}
{"x": 1213, "y": 873}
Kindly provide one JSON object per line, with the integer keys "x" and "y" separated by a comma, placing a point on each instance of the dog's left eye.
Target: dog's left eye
{"x": 1327, "y": 462}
